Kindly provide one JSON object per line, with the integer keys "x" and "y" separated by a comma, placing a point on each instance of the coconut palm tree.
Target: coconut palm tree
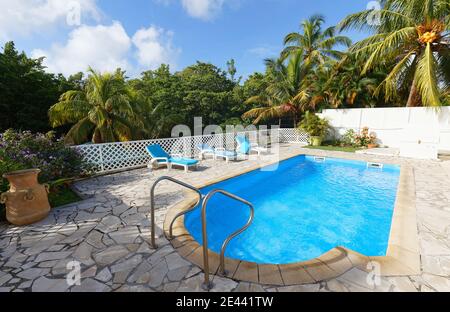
{"x": 268, "y": 109}
{"x": 157, "y": 120}
{"x": 284, "y": 95}
{"x": 414, "y": 33}
{"x": 101, "y": 112}
{"x": 316, "y": 45}
{"x": 341, "y": 84}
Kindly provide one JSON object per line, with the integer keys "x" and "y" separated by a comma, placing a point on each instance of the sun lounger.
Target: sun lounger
{"x": 161, "y": 157}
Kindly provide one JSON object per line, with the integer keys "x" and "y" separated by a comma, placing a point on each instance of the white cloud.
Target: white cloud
{"x": 25, "y": 17}
{"x": 264, "y": 51}
{"x": 203, "y": 9}
{"x": 103, "y": 48}
{"x": 154, "y": 47}
{"x": 106, "y": 48}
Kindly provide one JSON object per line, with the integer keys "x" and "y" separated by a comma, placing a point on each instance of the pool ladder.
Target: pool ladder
{"x": 207, "y": 285}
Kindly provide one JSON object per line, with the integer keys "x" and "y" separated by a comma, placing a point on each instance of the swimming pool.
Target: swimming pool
{"x": 302, "y": 210}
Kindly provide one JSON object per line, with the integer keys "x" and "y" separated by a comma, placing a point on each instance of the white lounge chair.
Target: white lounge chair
{"x": 224, "y": 154}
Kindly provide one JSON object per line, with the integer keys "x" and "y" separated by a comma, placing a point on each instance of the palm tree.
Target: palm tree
{"x": 414, "y": 33}
{"x": 315, "y": 45}
{"x": 284, "y": 95}
{"x": 101, "y": 112}
{"x": 157, "y": 121}
{"x": 269, "y": 109}
{"x": 341, "y": 84}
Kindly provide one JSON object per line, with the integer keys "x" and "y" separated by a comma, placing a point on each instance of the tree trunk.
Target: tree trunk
{"x": 97, "y": 137}
{"x": 414, "y": 99}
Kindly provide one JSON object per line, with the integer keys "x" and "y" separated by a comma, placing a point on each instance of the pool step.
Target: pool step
{"x": 374, "y": 165}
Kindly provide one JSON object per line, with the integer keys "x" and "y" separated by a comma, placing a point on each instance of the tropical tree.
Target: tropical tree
{"x": 254, "y": 85}
{"x": 231, "y": 69}
{"x": 341, "y": 85}
{"x": 27, "y": 91}
{"x": 284, "y": 94}
{"x": 266, "y": 108}
{"x": 100, "y": 112}
{"x": 158, "y": 101}
{"x": 414, "y": 33}
{"x": 315, "y": 44}
{"x": 208, "y": 93}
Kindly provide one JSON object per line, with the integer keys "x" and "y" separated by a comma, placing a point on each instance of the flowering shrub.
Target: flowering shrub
{"x": 365, "y": 138}
{"x": 24, "y": 150}
{"x": 348, "y": 139}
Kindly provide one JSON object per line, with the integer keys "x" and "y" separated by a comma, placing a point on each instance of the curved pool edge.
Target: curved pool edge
{"x": 402, "y": 258}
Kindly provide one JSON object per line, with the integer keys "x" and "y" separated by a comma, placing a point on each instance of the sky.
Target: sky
{"x": 138, "y": 35}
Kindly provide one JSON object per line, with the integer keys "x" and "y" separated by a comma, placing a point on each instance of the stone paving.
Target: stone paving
{"x": 109, "y": 234}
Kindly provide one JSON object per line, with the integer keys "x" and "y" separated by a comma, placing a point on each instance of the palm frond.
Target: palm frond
{"x": 80, "y": 132}
{"x": 426, "y": 78}
{"x": 293, "y": 38}
{"x": 71, "y": 108}
{"x": 392, "y": 42}
{"x": 263, "y": 113}
{"x": 122, "y": 131}
{"x": 390, "y": 84}
{"x": 331, "y": 42}
{"x": 257, "y": 99}
{"x": 387, "y": 18}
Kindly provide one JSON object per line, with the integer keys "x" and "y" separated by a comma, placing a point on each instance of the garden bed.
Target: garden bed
{"x": 347, "y": 149}
{"x": 59, "y": 165}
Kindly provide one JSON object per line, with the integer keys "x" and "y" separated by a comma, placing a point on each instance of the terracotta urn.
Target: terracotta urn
{"x": 27, "y": 200}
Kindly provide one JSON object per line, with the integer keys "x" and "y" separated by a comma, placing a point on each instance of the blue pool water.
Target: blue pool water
{"x": 302, "y": 210}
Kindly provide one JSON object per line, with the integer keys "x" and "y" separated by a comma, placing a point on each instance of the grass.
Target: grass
{"x": 347, "y": 149}
{"x": 62, "y": 197}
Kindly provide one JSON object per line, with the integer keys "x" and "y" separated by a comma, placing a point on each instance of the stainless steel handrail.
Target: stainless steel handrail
{"x": 152, "y": 205}
{"x": 207, "y": 285}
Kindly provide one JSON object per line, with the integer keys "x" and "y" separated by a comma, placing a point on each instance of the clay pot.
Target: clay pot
{"x": 27, "y": 200}
{"x": 370, "y": 146}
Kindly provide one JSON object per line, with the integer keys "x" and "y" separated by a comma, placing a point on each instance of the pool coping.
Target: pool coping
{"x": 402, "y": 258}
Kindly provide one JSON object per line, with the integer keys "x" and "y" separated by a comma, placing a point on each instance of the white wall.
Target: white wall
{"x": 396, "y": 127}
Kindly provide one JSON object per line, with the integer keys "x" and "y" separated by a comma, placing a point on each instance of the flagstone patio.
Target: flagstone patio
{"x": 109, "y": 234}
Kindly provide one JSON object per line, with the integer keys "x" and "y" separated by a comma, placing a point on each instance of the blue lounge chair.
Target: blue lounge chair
{"x": 160, "y": 157}
{"x": 244, "y": 146}
{"x": 205, "y": 150}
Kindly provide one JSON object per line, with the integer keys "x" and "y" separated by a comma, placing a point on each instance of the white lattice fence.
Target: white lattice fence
{"x": 293, "y": 136}
{"x": 129, "y": 155}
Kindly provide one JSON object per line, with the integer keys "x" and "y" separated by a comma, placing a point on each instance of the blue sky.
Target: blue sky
{"x": 141, "y": 34}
